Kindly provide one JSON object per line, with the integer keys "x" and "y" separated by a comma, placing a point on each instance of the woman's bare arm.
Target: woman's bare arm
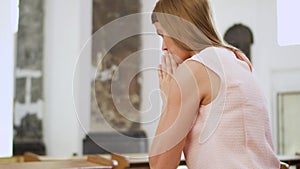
{"x": 179, "y": 113}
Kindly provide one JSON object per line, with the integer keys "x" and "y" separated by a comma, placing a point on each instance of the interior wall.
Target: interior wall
{"x": 281, "y": 60}
{"x": 269, "y": 59}
{"x": 150, "y": 94}
{"x": 67, "y": 27}
{"x": 7, "y": 76}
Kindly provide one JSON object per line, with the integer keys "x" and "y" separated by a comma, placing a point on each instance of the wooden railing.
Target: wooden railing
{"x": 112, "y": 161}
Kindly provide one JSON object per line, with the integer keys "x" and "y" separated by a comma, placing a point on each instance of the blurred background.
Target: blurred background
{"x": 55, "y": 94}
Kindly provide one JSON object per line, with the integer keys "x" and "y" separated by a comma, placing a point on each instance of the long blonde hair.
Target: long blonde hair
{"x": 189, "y": 23}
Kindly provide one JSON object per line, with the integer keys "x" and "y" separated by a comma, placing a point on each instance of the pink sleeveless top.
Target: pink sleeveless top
{"x": 233, "y": 131}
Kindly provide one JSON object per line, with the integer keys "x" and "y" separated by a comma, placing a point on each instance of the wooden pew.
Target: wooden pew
{"x": 290, "y": 159}
{"x": 134, "y": 161}
{"x": 54, "y": 165}
{"x": 114, "y": 161}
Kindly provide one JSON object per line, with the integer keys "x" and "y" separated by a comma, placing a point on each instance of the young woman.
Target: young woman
{"x": 213, "y": 109}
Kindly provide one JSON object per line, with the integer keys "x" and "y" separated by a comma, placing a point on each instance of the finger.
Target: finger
{"x": 160, "y": 74}
{"x": 163, "y": 65}
{"x": 173, "y": 64}
{"x": 168, "y": 65}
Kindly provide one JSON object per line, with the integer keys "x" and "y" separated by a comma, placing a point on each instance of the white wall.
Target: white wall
{"x": 67, "y": 27}
{"x": 271, "y": 62}
{"x": 150, "y": 96}
{"x": 284, "y": 62}
{"x": 7, "y": 77}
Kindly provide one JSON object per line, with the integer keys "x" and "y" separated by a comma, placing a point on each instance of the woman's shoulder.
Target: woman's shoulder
{"x": 212, "y": 51}
{"x": 192, "y": 69}
{"x": 212, "y": 57}
{"x": 196, "y": 62}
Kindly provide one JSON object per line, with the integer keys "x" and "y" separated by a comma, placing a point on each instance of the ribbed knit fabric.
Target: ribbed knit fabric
{"x": 233, "y": 131}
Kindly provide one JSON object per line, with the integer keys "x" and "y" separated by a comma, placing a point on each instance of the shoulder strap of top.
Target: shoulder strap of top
{"x": 241, "y": 56}
{"x": 211, "y": 58}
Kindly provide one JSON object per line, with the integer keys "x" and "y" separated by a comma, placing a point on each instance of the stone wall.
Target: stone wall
{"x": 102, "y": 105}
{"x": 29, "y": 73}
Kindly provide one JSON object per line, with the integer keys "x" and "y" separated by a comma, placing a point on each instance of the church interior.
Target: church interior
{"x": 80, "y": 87}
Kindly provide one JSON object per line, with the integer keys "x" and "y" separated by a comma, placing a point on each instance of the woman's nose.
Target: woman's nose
{"x": 164, "y": 47}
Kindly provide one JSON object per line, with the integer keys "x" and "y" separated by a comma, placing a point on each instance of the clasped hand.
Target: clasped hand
{"x": 166, "y": 71}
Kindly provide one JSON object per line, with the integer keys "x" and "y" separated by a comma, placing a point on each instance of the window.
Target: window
{"x": 288, "y": 113}
{"x": 288, "y": 25}
{"x": 7, "y": 77}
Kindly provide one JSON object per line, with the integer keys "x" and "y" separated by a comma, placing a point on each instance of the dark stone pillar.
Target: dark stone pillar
{"x": 105, "y": 11}
{"x": 29, "y": 79}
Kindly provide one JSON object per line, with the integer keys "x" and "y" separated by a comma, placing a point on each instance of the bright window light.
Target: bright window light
{"x": 288, "y": 22}
{"x": 15, "y": 15}
{"x": 7, "y": 78}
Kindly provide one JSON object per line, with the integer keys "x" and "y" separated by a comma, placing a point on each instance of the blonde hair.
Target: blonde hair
{"x": 189, "y": 23}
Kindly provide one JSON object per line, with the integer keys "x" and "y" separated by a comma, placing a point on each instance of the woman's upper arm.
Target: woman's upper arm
{"x": 178, "y": 116}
